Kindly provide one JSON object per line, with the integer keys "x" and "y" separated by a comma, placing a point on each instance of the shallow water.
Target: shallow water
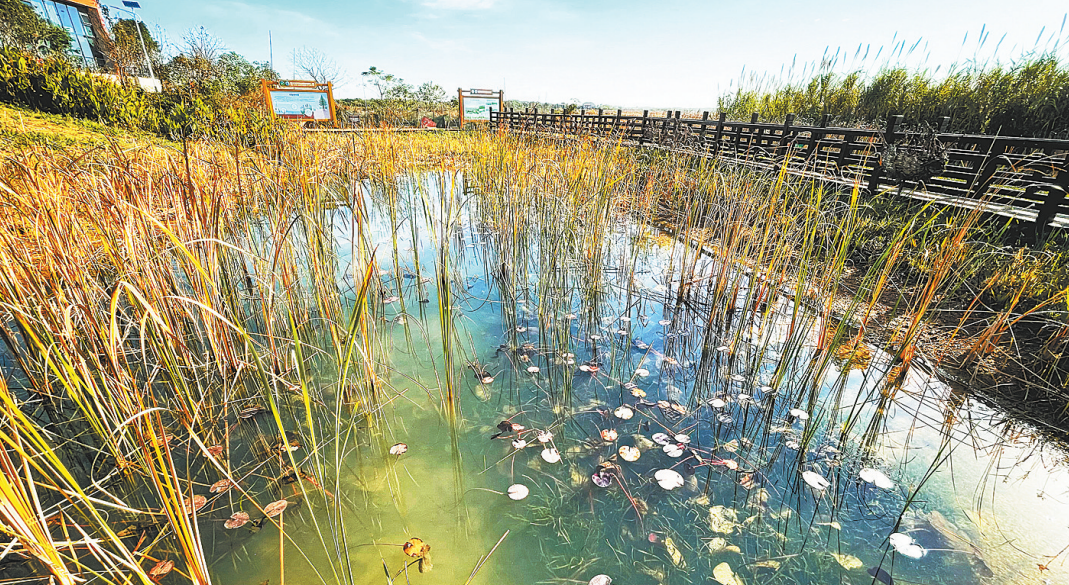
{"x": 994, "y": 508}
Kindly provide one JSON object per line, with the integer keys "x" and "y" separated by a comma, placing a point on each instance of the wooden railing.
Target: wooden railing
{"x": 1023, "y": 178}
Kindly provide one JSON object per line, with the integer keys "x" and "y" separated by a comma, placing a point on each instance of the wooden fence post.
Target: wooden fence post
{"x": 616, "y": 123}
{"x": 701, "y": 133}
{"x": 645, "y": 120}
{"x": 785, "y": 138}
{"x": 721, "y": 118}
{"x": 1052, "y": 203}
{"x": 816, "y": 136}
{"x": 944, "y": 124}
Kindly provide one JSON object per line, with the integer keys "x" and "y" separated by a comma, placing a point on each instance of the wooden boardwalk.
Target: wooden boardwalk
{"x": 1023, "y": 178}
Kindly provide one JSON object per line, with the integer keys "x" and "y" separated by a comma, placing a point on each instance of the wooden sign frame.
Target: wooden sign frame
{"x": 298, "y": 86}
{"x": 481, "y": 94}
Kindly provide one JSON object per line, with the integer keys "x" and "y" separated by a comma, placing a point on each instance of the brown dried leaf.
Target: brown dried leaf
{"x": 275, "y": 508}
{"x": 161, "y": 569}
{"x": 237, "y": 520}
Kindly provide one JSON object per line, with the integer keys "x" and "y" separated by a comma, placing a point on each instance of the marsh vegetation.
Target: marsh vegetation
{"x": 317, "y": 359}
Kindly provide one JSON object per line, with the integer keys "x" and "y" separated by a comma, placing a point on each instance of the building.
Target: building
{"x": 82, "y": 19}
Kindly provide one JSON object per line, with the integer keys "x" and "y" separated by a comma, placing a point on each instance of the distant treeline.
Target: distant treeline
{"x": 1030, "y": 98}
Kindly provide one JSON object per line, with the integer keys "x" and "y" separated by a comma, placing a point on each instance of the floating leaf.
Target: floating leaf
{"x": 398, "y": 449}
{"x": 876, "y": 478}
{"x": 904, "y": 544}
{"x": 487, "y": 379}
{"x": 624, "y": 412}
{"x": 682, "y": 438}
{"x": 673, "y": 450}
{"x": 724, "y": 575}
{"x": 848, "y": 562}
{"x": 601, "y": 580}
{"x": 799, "y": 414}
{"x": 717, "y": 403}
{"x": 519, "y": 444}
{"x": 661, "y": 438}
{"x": 215, "y": 450}
{"x": 221, "y": 486}
{"x": 609, "y": 435}
{"x": 815, "y": 480}
{"x": 716, "y": 544}
{"x": 518, "y": 491}
{"x": 161, "y": 569}
{"x": 532, "y": 369}
{"x": 550, "y": 455}
{"x": 668, "y": 479}
{"x": 638, "y": 393}
{"x": 673, "y": 553}
{"x": 769, "y": 564}
{"x": 642, "y": 372}
{"x": 275, "y": 508}
{"x": 601, "y": 479}
{"x": 190, "y": 505}
{"x": 545, "y": 436}
{"x": 628, "y": 453}
{"x": 237, "y": 520}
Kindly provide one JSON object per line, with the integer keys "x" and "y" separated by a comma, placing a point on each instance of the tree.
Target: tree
{"x": 239, "y": 76}
{"x": 388, "y": 85}
{"x": 317, "y": 66}
{"x": 23, "y": 29}
{"x": 430, "y": 92}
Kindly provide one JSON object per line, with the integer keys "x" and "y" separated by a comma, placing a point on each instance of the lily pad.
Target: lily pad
{"x": 668, "y": 479}
{"x": 275, "y": 508}
{"x": 237, "y": 520}
{"x": 518, "y": 491}
{"x": 661, "y": 438}
{"x": 550, "y": 455}
{"x": 876, "y": 478}
{"x": 398, "y": 449}
{"x": 601, "y": 580}
{"x": 624, "y": 412}
{"x": 815, "y": 480}
{"x": 629, "y": 454}
{"x": 905, "y": 545}
{"x": 673, "y": 450}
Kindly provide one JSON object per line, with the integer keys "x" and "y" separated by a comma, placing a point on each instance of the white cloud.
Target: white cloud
{"x": 460, "y": 4}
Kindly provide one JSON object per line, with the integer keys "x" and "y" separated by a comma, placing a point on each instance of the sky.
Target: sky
{"x": 653, "y": 54}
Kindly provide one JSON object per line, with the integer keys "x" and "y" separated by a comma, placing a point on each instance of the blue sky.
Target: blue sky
{"x": 672, "y": 53}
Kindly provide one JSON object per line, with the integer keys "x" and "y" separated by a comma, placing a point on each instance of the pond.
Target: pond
{"x": 580, "y": 380}
{"x": 429, "y": 381}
